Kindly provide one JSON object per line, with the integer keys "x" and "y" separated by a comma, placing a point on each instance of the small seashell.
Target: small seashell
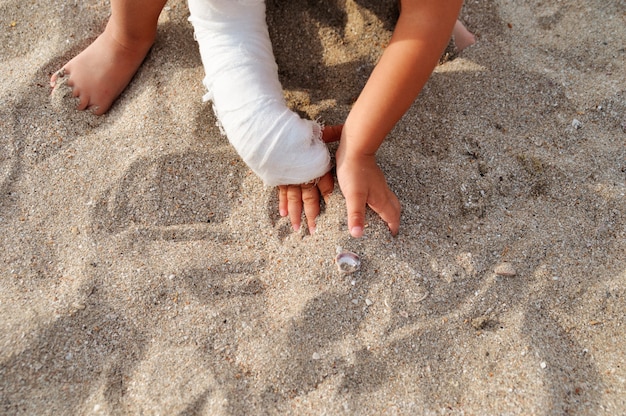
{"x": 347, "y": 262}
{"x": 505, "y": 269}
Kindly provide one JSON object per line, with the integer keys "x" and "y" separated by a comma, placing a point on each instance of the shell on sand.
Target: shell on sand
{"x": 505, "y": 269}
{"x": 347, "y": 262}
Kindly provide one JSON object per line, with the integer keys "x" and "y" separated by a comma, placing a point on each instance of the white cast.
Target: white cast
{"x": 242, "y": 82}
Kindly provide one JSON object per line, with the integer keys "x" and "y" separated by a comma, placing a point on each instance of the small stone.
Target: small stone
{"x": 543, "y": 365}
{"x": 480, "y": 322}
{"x": 577, "y": 124}
{"x": 368, "y": 302}
{"x": 79, "y": 306}
{"x": 316, "y": 356}
{"x": 505, "y": 269}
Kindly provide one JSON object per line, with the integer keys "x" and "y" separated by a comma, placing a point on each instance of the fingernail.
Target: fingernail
{"x": 296, "y": 227}
{"x": 283, "y": 213}
{"x": 311, "y": 230}
{"x": 356, "y": 232}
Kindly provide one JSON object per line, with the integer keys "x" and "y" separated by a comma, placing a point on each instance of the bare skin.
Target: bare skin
{"x": 420, "y": 37}
{"x": 100, "y": 73}
{"x": 421, "y": 34}
{"x": 462, "y": 37}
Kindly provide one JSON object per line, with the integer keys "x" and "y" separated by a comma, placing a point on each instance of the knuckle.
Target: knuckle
{"x": 326, "y": 188}
{"x": 309, "y": 197}
{"x": 294, "y": 197}
{"x": 356, "y": 216}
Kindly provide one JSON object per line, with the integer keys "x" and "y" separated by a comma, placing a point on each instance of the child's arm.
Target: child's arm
{"x": 241, "y": 77}
{"x": 421, "y": 34}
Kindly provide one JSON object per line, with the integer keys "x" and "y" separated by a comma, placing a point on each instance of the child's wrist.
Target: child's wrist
{"x": 354, "y": 156}
{"x": 356, "y": 150}
{"x": 360, "y": 138}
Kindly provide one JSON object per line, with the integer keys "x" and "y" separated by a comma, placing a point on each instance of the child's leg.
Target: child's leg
{"x": 100, "y": 73}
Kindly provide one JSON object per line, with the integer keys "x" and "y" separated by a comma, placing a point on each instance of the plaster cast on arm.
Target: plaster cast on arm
{"x": 242, "y": 82}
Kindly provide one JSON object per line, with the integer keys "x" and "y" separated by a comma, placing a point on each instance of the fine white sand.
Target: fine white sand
{"x": 145, "y": 270}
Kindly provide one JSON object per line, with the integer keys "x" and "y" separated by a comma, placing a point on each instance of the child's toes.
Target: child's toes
{"x": 97, "y": 110}
{"x": 83, "y": 102}
{"x": 56, "y": 76}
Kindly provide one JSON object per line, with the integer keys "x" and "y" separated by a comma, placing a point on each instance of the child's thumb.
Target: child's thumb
{"x": 356, "y": 216}
{"x": 332, "y": 133}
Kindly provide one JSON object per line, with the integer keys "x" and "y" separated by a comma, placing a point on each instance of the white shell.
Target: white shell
{"x": 347, "y": 262}
{"x": 505, "y": 269}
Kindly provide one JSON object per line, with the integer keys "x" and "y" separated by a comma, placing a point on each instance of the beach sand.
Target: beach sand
{"x": 145, "y": 269}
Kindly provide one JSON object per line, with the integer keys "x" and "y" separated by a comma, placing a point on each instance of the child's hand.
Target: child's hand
{"x": 362, "y": 182}
{"x": 421, "y": 34}
{"x": 293, "y": 198}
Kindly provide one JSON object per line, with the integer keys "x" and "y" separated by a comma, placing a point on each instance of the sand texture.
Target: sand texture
{"x": 145, "y": 270}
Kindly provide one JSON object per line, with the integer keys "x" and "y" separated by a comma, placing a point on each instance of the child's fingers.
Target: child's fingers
{"x": 282, "y": 201}
{"x": 294, "y": 205}
{"x": 311, "y": 201}
{"x": 332, "y": 133}
{"x": 388, "y": 208}
{"x": 293, "y": 199}
{"x": 326, "y": 185}
{"x": 384, "y": 203}
{"x": 355, "y": 205}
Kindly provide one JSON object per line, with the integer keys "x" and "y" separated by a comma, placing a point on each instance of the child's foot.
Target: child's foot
{"x": 462, "y": 37}
{"x": 100, "y": 73}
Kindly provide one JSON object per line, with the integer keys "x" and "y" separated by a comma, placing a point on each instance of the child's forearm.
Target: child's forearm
{"x": 421, "y": 35}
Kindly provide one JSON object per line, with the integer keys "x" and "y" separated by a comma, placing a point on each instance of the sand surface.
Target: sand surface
{"x": 145, "y": 270}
